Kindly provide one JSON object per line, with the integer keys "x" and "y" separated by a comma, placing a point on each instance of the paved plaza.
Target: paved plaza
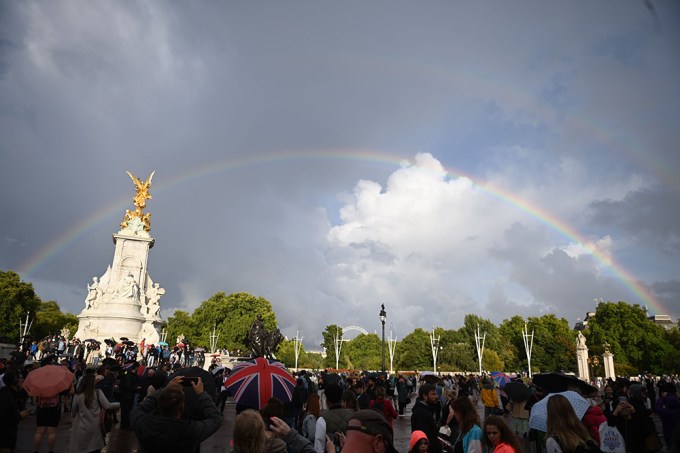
{"x": 121, "y": 440}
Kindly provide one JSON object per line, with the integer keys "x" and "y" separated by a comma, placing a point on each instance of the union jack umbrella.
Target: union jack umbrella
{"x": 253, "y": 382}
{"x": 500, "y": 378}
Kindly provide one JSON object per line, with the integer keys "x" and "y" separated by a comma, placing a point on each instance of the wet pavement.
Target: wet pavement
{"x": 120, "y": 440}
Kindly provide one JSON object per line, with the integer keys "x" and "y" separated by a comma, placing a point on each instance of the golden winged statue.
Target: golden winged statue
{"x": 139, "y": 201}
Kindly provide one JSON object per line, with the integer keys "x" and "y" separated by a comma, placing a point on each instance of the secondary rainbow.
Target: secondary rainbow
{"x": 116, "y": 208}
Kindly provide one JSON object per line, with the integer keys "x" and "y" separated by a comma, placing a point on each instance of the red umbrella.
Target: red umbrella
{"x": 253, "y": 382}
{"x": 48, "y": 380}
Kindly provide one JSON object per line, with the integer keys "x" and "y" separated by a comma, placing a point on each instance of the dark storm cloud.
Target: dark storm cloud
{"x": 644, "y": 215}
{"x": 571, "y": 108}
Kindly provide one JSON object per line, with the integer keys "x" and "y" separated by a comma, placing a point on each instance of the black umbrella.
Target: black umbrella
{"x": 128, "y": 342}
{"x": 517, "y": 391}
{"x": 109, "y": 362}
{"x": 110, "y": 342}
{"x": 124, "y": 338}
{"x": 560, "y": 382}
{"x": 192, "y": 409}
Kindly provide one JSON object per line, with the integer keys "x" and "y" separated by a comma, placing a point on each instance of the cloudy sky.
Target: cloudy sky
{"x": 442, "y": 158}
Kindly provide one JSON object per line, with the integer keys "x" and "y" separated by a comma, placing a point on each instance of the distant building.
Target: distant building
{"x": 664, "y": 321}
{"x": 581, "y": 325}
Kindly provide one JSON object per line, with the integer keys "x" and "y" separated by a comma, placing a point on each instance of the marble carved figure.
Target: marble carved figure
{"x": 124, "y": 301}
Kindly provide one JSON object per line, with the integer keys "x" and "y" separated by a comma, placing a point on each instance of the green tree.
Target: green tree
{"x": 180, "y": 323}
{"x": 513, "y": 352}
{"x": 16, "y": 299}
{"x": 314, "y": 361}
{"x": 491, "y": 361}
{"x": 285, "y": 353}
{"x": 457, "y": 357}
{"x": 232, "y": 317}
{"x": 554, "y": 344}
{"x": 414, "y": 352}
{"x": 671, "y": 362}
{"x": 50, "y": 319}
{"x": 330, "y": 335}
{"x": 492, "y": 337}
{"x": 364, "y": 353}
{"x": 634, "y": 340}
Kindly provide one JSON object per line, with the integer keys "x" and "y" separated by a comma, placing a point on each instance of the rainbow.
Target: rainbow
{"x": 618, "y": 142}
{"x": 62, "y": 241}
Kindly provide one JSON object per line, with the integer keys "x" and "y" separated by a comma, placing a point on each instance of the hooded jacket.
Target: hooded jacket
{"x": 156, "y": 433}
{"x": 422, "y": 418}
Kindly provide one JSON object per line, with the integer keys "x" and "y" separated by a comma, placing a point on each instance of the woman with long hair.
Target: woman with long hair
{"x": 88, "y": 403}
{"x": 447, "y": 418}
{"x": 498, "y": 437}
{"x": 469, "y": 439}
{"x": 312, "y": 412}
{"x": 383, "y": 405}
{"x": 249, "y": 433}
{"x": 565, "y": 431}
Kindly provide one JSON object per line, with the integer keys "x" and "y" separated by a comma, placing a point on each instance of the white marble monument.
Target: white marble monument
{"x": 582, "y": 358}
{"x": 124, "y": 302}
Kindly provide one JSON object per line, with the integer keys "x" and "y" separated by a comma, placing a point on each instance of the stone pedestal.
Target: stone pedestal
{"x": 124, "y": 302}
{"x": 608, "y": 359}
{"x": 582, "y": 358}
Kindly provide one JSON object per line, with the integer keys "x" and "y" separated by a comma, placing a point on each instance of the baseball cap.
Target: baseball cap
{"x": 369, "y": 421}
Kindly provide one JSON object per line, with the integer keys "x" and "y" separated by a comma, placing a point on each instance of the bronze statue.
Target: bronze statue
{"x": 139, "y": 200}
{"x": 263, "y": 343}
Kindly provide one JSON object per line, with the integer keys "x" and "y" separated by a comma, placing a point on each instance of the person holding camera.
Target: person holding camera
{"x": 157, "y": 421}
{"x": 632, "y": 418}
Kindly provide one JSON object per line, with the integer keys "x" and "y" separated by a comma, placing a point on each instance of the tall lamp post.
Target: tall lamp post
{"x": 434, "y": 344}
{"x": 383, "y": 318}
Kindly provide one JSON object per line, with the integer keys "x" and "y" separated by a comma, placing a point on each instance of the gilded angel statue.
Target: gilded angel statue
{"x": 139, "y": 201}
{"x": 142, "y": 190}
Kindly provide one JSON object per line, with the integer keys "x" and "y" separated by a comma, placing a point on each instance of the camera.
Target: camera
{"x": 187, "y": 380}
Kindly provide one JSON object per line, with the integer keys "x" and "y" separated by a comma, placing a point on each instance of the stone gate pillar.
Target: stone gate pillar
{"x": 582, "y": 358}
{"x": 608, "y": 359}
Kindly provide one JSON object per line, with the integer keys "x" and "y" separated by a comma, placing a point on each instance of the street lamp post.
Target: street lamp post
{"x": 297, "y": 345}
{"x": 392, "y": 345}
{"x": 528, "y": 345}
{"x": 434, "y": 344}
{"x": 479, "y": 342}
{"x": 383, "y": 318}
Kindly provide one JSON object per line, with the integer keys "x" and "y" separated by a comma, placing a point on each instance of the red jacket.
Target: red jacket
{"x": 592, "y": 420}
{"x": 388, "y": 410}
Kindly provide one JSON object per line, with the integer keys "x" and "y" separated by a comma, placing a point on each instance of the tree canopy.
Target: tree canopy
{"x": 17, "y": 298}
{"x": 231, "y": 316}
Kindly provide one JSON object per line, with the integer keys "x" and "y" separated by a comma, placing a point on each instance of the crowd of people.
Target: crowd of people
{"x": 328, "y": 412}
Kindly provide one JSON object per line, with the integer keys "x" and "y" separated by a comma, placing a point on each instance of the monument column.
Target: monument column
{"x": 582, "y": 358}
{"x": 608, "y": 359}
{"x": 124, "y": 302}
